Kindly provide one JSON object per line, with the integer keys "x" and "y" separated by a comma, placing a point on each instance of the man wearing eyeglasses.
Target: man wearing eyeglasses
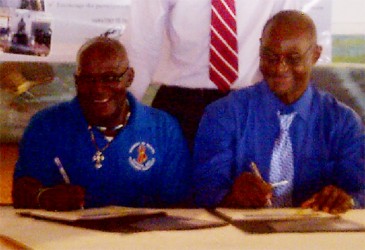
{"x": 281, "y": 142}
{"x": 103, "y": 147}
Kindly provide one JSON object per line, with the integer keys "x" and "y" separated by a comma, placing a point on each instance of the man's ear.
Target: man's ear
{"x": 317, "y": 53}
{"x": 130, "y": 77}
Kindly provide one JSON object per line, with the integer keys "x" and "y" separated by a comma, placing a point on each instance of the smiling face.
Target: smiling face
{"x": 101, "y": 80}
{"x": 288, "y": 53}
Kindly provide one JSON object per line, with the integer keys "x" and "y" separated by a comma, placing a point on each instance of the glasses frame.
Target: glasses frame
{"x": 289, "y": 61}
{"x": 111, "y": 81}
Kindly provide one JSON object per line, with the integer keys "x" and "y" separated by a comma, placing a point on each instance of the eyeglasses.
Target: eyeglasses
{"x": 290, "y": 59}
{"x": 110, "y": 81}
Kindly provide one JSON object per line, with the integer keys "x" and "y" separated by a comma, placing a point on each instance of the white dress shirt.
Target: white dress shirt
{"x": 168, "y": 41}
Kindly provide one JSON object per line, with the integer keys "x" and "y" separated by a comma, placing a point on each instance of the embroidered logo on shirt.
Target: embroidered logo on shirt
{"x": 141, "y": 156}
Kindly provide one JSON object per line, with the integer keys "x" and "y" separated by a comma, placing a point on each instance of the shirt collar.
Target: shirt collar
{"x": 301, "y": 106}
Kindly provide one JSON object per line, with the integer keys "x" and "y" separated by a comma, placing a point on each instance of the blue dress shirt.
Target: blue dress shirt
{"x": 328, "y": 141}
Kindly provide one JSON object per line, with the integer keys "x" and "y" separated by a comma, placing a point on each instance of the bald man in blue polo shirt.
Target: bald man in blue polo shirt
{"x": 103, "y": 147}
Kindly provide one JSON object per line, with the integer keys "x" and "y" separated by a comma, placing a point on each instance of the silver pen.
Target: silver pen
{"x": 279, "y": 184}
{"x": 62, "y": 170}
{"x": 65, "y": 177}
{"x": 256, "y": 172}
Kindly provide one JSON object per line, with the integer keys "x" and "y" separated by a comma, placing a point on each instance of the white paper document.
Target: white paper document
{"x": 273, "y": 214}
{"x": 90, "y": 213}
{"x": 287, "y": 220}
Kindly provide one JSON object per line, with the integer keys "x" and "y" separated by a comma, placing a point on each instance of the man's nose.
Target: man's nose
{"x": 281, "y": 64}
{"x": 98, "y": 86}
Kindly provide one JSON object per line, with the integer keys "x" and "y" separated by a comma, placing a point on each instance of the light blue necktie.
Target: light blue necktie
{"x": 281, "y": 165}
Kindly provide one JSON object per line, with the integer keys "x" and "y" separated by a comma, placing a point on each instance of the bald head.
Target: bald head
{"x": 291, "y": 23}
{"x": 103, "y": 48}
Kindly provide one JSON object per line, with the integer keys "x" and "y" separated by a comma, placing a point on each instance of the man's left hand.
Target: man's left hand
{"x": 330, "y": 199}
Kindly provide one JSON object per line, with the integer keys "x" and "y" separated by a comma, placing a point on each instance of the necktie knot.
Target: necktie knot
{"x": 286, "y": 120}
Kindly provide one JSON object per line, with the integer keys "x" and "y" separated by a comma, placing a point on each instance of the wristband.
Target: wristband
{"x": 40, "y": 192}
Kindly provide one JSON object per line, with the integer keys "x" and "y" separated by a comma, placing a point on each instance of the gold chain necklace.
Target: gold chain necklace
{"x": 99, "y": 157}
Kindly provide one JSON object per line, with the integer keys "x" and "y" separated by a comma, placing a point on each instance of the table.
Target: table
{"x": 40, "y": 234}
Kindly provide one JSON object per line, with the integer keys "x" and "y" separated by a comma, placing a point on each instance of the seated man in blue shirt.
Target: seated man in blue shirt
{"x": 103, "y": 147}
{"x": 293, "y": 133}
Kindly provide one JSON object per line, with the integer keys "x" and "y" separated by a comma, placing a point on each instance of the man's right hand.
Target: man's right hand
{"x": 248, "y": 191}
{"x": 30, "y": 193}
{"x": 62, "y": 197}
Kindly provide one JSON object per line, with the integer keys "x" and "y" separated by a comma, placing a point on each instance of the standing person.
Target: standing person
{"x": 177, "y": 33}
{"x": 289, "y": 129}
{"x": 111, "y": 149}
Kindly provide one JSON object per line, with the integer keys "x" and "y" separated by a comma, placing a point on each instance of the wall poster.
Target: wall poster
{"x": 38, "y": 44}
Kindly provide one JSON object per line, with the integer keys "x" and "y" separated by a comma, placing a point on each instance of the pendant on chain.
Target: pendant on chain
{"x": 98, "y": 158}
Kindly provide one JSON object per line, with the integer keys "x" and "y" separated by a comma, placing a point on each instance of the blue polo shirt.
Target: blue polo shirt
{"x": 328, "y": 143}
{"x": 146, "y": 165}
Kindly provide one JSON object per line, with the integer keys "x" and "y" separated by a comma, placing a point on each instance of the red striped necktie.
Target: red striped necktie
{"x": 223, "y": 68}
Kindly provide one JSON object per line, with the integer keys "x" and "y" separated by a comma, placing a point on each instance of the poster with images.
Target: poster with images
{"x": 53, "y": 30}
{"x": 39, "y": 40}
{"x": 24, "y": 28}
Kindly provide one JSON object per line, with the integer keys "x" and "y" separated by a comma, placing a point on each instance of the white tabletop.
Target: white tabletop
{"x": 40, "y": 234}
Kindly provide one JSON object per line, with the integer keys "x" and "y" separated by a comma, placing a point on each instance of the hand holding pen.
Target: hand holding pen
{"x": 62, "y": 197}
{"x": 249, "y": 190}
{"x": 256, "y": 172}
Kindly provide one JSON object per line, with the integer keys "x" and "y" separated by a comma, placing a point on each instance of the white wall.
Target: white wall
{"x": 348, "y": 17}
{"x": 10, "y": 3}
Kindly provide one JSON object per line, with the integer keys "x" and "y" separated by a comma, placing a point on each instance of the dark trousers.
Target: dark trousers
{"x": 187, "y": 105}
